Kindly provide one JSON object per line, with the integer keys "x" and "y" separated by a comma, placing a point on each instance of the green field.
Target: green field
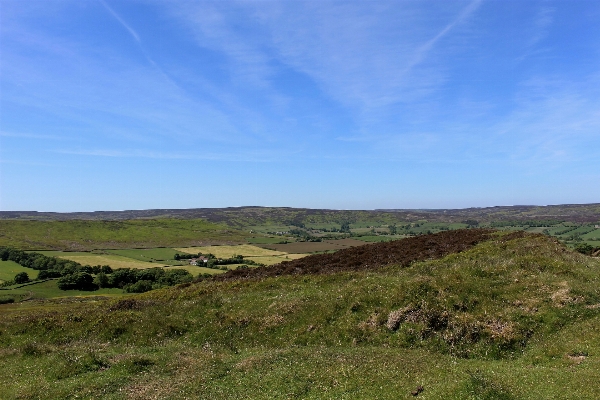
{"x": 163, "y": 255}
{"x": 115, "y": 261}
{"x": 48, "y": 290}
{"x": 8, "y": 270}
{"x": 516, "y": 319}
{"x": 78, "y": 235}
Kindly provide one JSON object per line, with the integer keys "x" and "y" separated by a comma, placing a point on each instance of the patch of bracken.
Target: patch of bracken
{"x": 130, "y": 304}
{"x": 399, "y": 252}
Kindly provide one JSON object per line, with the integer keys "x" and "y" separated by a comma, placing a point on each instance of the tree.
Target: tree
{"x": 392, "y": 229}
{"x": 106, "y": 269}
{"x": 101, "y": 280}
{"x": 345, "y": 227}
{"x": 583, "y": 248}
{"x": 21, "y": 277}
{"x": 77, "y": 281}
{"x": 139, "y": 287}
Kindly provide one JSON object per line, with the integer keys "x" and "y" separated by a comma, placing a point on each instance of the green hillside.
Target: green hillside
{"x": 508, "y": 319}
{"x": 80, "y": 235}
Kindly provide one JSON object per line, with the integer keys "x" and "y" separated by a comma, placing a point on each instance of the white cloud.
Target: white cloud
{"x": 364, "y": 55}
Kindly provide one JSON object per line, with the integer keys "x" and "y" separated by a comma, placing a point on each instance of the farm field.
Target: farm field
{"x": 140, "y": 258}
{"x": 314, "y": 247}
{"x": 163, "y": 254}
{"x": 269, "y": 240}
{"x": 113, "y": 260}
{"x": 8, "y": 270}
{"x": 196, "y": 270}
{"x": 245, "y": 250}
{"x": 270, "y": 260}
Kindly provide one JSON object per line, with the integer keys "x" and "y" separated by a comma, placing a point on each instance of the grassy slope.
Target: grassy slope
{"x": 49, "y": 289}
{"x": 513, "y": 314}
{"x": 89, "y": 235}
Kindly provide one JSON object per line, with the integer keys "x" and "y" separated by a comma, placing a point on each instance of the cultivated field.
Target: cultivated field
{"x": 270, "y": 260}
{"x": 113, "y": 260}
{"x": 245, "y": 250}
{"x": 164, "y": 254}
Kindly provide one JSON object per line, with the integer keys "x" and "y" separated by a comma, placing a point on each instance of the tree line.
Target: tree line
{"x": 74, "y": 276}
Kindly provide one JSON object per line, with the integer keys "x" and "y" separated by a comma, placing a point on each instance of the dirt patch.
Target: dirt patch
{"x": 400, "y": 252}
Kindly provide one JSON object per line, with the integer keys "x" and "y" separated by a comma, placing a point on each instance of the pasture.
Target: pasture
{"x": 163, "y": 255}
{"x": 270, "y": 260}
{"x": 113, "y": 260}
{"x": 245, "y": 250}
{"x": 314, "y": 247}
{"x": 8, "y": 270}
{"x": 268, "y": 240}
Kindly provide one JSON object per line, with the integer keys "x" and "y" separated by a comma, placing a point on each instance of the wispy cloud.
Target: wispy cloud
{"x": 36, "y": 136}
{"x": 229, "y": 157}
{"x": 423, "y": 50}
{"x": 131, "y": 31}
{"x": 373, "y": 59}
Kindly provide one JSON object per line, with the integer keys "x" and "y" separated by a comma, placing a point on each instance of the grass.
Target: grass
{"x": 8, "y": 270}
{"x": 504, "y": 320}
{"x": 78, "y": 235}
{"x": 376, "y": 238}
{"x": 270, "y": 260}
{"x": 113, "y": 260}
{"x": 268, "y": 240}
{"x": 245, "y": 250}
{"x": 164, "y": 254}
{"x": 195, "y": 270}
{"x": 48, "y": 290}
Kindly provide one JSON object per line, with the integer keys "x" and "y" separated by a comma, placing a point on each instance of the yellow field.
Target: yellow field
{"x": 245, "y": 250}
{"x": 270, "y": 260}
{"x": 194, "y": 270}
{"x": 108, "y": 259}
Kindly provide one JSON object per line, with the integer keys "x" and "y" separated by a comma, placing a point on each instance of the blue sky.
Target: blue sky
{"x": 111, "y": 105}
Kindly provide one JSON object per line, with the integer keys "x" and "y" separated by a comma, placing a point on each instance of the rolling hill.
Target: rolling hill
{"x": 493, "y": 316}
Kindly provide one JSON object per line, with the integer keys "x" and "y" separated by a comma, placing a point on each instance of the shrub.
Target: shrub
{"x": 21, "y": 277}
{"x": 584, "y": 248}
{"x": 77, "y": 281}
{"x": 139, "y": 287}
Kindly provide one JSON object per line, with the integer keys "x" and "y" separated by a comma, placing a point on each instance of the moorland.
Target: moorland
{"x": 499, "y": 303}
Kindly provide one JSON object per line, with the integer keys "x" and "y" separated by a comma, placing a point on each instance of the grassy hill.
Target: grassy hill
{"x": 249, "y": 216}
{"x": 514, "y": 316}
{"x": 81, "y": 235}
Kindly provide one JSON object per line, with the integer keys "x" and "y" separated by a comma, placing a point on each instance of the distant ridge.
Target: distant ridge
{"x": 229, "y": 215}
